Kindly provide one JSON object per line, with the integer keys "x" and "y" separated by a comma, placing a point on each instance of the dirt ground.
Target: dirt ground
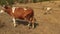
{"x": 48, "y": 22}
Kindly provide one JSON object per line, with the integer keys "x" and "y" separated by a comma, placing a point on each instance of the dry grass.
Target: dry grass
{"x": 48, "y": 23}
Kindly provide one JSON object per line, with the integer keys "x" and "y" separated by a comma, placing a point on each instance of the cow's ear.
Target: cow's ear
{"x": 3, "y": 6}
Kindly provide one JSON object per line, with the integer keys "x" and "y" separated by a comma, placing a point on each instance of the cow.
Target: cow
{"x": 20, "y": 13}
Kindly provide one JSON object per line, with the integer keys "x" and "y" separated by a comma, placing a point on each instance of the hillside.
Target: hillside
{"x": 47, "y": 23}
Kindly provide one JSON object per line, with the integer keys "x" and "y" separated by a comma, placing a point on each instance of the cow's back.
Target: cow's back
{"x": 21, "y": 13}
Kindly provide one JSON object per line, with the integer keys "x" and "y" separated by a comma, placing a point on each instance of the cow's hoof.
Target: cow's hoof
{"x": 28, "y": 25}
{"x": 15, "y": 25}
{"x": 33, "y": 27}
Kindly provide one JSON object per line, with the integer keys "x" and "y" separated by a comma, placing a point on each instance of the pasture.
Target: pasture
{"x": 47, "y": 23}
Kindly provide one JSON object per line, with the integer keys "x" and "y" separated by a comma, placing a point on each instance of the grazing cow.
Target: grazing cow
{"x": 20, "y": 13}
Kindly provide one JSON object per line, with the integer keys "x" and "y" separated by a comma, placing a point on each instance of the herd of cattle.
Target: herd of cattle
{"x": 26, "y": 14}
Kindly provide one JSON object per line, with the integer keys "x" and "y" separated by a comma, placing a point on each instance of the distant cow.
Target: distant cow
{"x": 20, "y": 13}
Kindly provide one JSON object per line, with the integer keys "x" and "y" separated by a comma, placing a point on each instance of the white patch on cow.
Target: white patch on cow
{"x": 25, "y": 9}
{"x": 1, "y": 11}
{"x": 13, "y": 8}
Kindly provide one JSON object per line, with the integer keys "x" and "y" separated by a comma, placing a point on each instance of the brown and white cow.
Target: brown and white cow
{"x": 20, "y": 13}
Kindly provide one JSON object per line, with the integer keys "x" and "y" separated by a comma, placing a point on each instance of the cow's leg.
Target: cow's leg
{"x": 33, "y": 21}
{"x": 28, "y": 22}
{"x": 14, "y": 22}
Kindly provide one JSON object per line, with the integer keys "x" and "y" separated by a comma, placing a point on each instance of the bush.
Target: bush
{"x": 10, "y": 2}
{"x": 3, "y": 2}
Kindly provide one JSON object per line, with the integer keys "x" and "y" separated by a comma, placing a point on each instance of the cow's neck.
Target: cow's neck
{"x": 8, "y": 11}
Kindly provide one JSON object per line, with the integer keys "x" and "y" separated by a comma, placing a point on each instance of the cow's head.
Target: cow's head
{"x": 2, "y": 9}
{"x": 5, "y": 8}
